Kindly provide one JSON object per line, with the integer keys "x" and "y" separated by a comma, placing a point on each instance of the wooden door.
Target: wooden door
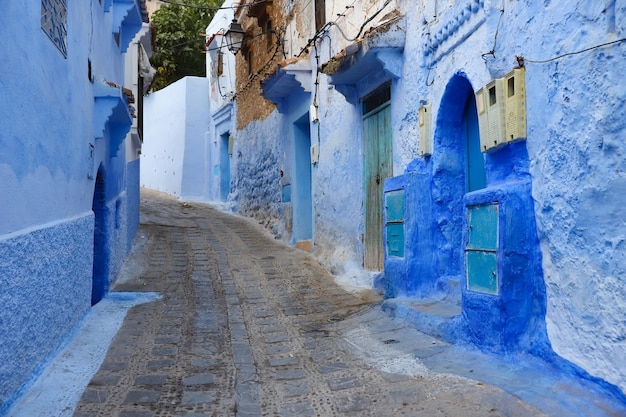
{"x": 377, "y": 152}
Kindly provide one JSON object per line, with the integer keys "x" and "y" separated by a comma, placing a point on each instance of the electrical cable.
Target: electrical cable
{"x": 522, "y": 59}
{"x": 264, "y": 67}
{"x": 369, "y": 19}
{"x": 495, "y": 37}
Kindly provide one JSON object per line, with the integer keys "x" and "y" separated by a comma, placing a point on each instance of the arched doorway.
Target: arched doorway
{"x": 100, "y": 276}
{"x": 458, "y": 168}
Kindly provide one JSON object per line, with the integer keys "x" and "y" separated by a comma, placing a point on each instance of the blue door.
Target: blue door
{"x": 303, "y": 197}
{"x": 475, "y": 177}
{"x": 224, "y": 167}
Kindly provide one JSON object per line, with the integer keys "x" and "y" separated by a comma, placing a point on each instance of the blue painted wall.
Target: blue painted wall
{"x": 560, "y": 192}
{"x": 54, "y": 136}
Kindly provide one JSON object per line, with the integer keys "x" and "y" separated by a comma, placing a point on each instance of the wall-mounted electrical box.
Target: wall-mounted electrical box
{"x": 314, "y": 114}
{"x": 491, "y": 112}
{"x": 315, "y": 154}
{"x": 515, "y": 96}
{"x": 501, "y": 107}
{"x": 425, "y": 124}
{"x": 231, "y": 143}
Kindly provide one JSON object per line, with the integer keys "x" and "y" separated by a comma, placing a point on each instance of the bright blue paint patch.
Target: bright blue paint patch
{"x": 503, "y": 296}
{"x": 395, "y": 240}
{"x": 286, "y": 196}
{"x": 482, "y": 243}
{"x": 224, "y": 167}
{"x": 483, "y": 226}
{"x": 482, "y": 271}
{"x": 394, "y": 204}
{"x": 475, "y": 165}
{"x": 303, "y": 196}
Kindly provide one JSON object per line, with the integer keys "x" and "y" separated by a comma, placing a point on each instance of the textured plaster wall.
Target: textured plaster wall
{"x": 577, "y": 153}
{"x": 338, "y": 180}
{"x": 575, "y": 124}
{"x": 45, "y": 277}
{"x": 196, "y": 159}
{"x": 46, "y": 193}
{"x": 258, "y": 157}
{"x": 175, "y": 151}
{"x": 576, "y": 109}
{"x": 164, "y": 139}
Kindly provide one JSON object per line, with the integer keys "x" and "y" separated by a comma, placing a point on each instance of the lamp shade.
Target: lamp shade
{"x": 234, "y": 37}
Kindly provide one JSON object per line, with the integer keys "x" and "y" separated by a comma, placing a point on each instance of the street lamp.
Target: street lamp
{"x": 234, "y": 37}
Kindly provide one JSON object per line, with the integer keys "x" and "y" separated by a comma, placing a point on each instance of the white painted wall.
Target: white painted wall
{"x": 174, "y": 155}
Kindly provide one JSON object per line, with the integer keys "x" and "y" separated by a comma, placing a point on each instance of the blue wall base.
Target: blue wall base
{"x": 45, "y": 276}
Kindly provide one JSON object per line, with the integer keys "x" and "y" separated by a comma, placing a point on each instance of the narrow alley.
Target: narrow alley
{"x": 247, "y": 326}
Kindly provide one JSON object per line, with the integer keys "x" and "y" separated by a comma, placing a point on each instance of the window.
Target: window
{"x": 320, "y": 14}
{"x": 54, "y": 23}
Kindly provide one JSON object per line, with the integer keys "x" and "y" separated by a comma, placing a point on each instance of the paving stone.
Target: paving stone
{"x": 322, "y": 355}
{"x": 160, "y": 364}
{"x": 103, "y": 380}
{"x": 271, "y": 329}
{"x": 332, "y": 367}
{"x": 165, "y": 350}
{"x": 264, "y": 314}
{"x": 197, "y": 397}
{"x": 341, "y": 383}
{"x": 136, "y": 397}
{"x": 94, "y": 396}
{"x": 204, "y": 362}
{"x": 281, "y": 374}
{"x": 275, "y": 362}
{"x": 294, "y": 311}
{"x": 249, "y": 410}
{"x": 171, "y": 340}
{"x": 113, "y": 366}
{"x": 200, "y": 379}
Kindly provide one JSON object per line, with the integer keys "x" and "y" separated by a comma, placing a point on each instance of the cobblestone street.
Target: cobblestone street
{"x": 247, "y": 326}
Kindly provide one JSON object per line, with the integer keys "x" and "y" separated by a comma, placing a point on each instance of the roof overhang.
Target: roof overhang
{"x": 367, "y": 63}
{"x": 291, "y": 76}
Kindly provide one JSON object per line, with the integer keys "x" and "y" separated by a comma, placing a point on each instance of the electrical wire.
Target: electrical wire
{"x": 495, "y": 37}
{"x": 369, "y": 19}
{"x": 522, "y": 59}
{"x": 252, "y": 78}
{"x": 213, "y": 8}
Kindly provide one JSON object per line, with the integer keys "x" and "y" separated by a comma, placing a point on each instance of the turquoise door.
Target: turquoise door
{"x": 377, "y": 154}
{"x": 224, "y": 167}
{"x": 475, "y": 177}
{"x": 303, "y": 197}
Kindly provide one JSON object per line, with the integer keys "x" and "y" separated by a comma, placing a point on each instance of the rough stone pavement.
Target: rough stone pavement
{"x": 250, "y": 327}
